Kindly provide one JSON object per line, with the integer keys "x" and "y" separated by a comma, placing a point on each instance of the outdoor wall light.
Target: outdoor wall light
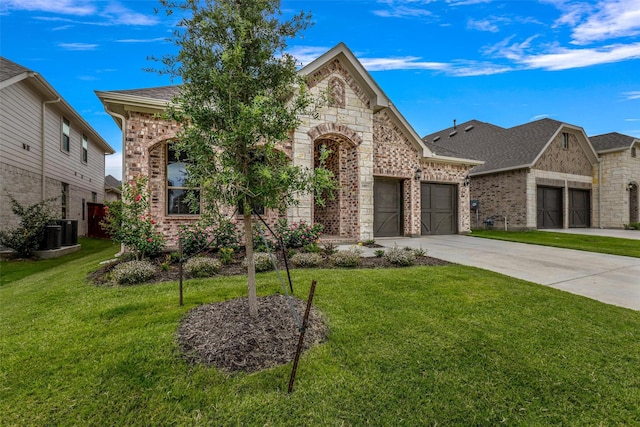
{"x": 418, "y": 175}
{"x": 467, "y": 181}
{"x": 630, "y": 186}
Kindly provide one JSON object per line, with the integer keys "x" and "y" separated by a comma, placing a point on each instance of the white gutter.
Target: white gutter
{"x": 42, "y": 145}
{"x": 122, "y": 129}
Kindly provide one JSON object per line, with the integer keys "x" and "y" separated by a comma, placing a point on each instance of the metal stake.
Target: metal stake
{"x": 292, "y": 378}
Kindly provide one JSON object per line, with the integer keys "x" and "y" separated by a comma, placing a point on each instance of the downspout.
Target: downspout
{"x": 123, "y": 121}
{"x": 599, "y": 162}
{"x": 42, "y": 144}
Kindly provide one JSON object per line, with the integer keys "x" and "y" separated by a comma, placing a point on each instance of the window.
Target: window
{"x": 633, "y": 151}
{"x": 66, "y": 135}
{"x": 565, "y": 141}
{"x": 83, "y": 215}
{"x": 177, "y": 181}
{"x": 85, "y": 148}
{"x": 64, "y": 199}
{"x": 94, "y": 197}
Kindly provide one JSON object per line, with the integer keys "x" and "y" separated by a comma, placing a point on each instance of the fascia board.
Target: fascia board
{"x": 455, "y": 160}
{"x": 507, "y": 169}
{"x": 584, "y": 142}
{"x": 15, "y": 79}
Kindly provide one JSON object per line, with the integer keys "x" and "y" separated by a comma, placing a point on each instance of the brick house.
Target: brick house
{"x": 536, "y": 175}
{"x": 618, "y": 179}
{"x": 46, "y": 149}
{"x": 391, "y": 183}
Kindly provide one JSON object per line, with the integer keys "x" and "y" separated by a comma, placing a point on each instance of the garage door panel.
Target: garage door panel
{"x": 438, "y": 209}
{"x": 579, "y": 208}
{"x": 549, "y": 209}
{"x": 387, "y": 213}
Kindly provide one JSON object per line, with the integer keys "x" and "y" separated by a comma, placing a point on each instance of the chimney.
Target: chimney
{"x": 454, "y": 124}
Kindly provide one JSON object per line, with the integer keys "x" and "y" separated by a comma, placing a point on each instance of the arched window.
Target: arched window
{"x": 177, "y": 184}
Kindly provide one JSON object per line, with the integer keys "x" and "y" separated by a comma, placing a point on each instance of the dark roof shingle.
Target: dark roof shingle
{"x": 163, "y": 93}
{"x": 611, "y": 141}
{"x": 9, "y": 69}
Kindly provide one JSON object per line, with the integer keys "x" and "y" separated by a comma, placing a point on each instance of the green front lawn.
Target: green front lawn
{"x": 601, "y": 244}
{"x": 418, "y": 346}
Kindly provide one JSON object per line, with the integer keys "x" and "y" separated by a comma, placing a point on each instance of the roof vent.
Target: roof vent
{"x": 454, "y": 124}
{"x": 436, "y": 138}
{"x": 468, "y": 128}
{"x": 453, "y": 133}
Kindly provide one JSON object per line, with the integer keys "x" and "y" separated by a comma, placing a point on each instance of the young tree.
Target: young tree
{"x": 241, "y": 95}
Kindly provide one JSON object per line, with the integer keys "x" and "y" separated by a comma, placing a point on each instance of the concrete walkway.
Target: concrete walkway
{"x": 608, "y": 278}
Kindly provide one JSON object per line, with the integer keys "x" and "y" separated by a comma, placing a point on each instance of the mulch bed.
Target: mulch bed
{"x": 225, "y": 336}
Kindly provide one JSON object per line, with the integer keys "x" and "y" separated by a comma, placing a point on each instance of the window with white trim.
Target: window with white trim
{"x": 85, "y": 149}
{"x": 66, "y": 135}
{"x": 565, "y": 141}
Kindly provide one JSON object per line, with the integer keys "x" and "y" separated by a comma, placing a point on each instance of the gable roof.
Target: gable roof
{"x": 12, "y": 73}
{"x": 613, "y": 141}
{"x": 112, "y": 184}
{"x": 501, "y": 148}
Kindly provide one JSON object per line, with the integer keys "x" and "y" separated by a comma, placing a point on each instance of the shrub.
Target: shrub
{"x": 298, "y": 235}
{"x": 312, "y": 248}
{"x": 352, "y": 257}
{"x": 259, "y": 243}
{"x": 129, "y": 221}
{"x": 262, "y": 260}
{"x": 400, "y": 257}
{"x": 329, "y": 248}
{"x": 132, "y": 272}
{"x": 305, "y": 260}
{"x": 226, "y": 255}
{"x": 419, "y": 252}
{"x": 29, "y": 234}
{"x": 632, "y": 226}
{"x": 202, "y": 267}
{"x": 379, "y": 253}
{"x": 225, "y": 234}
{"x": 194, "y": 239}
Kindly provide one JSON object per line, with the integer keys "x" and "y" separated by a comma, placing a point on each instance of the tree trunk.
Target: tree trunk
{"x": 251, "y": 264}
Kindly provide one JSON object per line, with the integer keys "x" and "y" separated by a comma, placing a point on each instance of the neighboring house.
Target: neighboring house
{"x": 112, "y": 189}
{"x": 46, "y": 149}
{"x": 391, "y": 184}
{"x": 536, "y": 175}
{"x": 618, "y": 180}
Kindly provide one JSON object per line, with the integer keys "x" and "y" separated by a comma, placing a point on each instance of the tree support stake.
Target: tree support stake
{"x": 303, "y": 329}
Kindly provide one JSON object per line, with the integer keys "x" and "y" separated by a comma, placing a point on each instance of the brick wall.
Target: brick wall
{"x": 502, "y": 194}
{"x": 571, "y": 160}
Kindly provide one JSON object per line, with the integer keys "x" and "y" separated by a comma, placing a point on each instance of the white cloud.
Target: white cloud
{"x": 632, "y": 95}
{"x": 401, "y": 63}
{"x": 78, "y": 46}
{"x": 157, "y": 39}
{"x": 110, "y": 12}
{"x": 539, "y": 117}
{"x": 482, "y": 25}
{"x": 613, "y": 19}
{"x": 563, "y": 58}
{"x": 64, "y": 7}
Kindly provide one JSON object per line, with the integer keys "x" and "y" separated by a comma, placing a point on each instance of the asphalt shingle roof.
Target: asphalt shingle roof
{"x": 9, "y": 69}
{"x": 163, "y": 93}
{"x": 111, "y": 181}
{"x": 498, "y": 147}
{"x": 611, "y": 141}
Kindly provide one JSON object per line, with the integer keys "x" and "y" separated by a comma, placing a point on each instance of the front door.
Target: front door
{"x": 387, "y": 207}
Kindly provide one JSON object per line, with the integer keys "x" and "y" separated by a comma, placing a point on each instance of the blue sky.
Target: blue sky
{"x": 503, "y": 62}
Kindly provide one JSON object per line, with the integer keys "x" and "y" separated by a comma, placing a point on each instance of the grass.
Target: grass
{"x": 601, "y": 244}
{"x": 12, "y": 270}
{"x": 448, "y": 345}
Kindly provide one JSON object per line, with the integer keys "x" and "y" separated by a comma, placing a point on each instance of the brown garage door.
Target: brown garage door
{"x": 549, "y": 207}
{"x": 579, "y": 208}
{"x": 438, "y": 209}
{"x": 387, "y": 207}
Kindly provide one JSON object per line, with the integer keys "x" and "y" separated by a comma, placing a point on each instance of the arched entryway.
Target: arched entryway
{"x": 340, "y": 215}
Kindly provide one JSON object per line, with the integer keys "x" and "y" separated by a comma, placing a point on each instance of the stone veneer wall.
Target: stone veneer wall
{"x": 618, "y": 170}
{"x": 502, "y": 194}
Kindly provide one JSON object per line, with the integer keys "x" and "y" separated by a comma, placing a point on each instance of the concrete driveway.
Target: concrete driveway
{"x": 608, "y": 278}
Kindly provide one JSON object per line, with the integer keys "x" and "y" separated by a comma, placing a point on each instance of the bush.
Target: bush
{"x": 632, "y": 226}
{"x": 194, "y": 239}
{"x": 306, "y": 260}
{"x": 258, "y": 243}
{"x": 225, "y": 235}
{"x": 29, "y": 234}
{"x": 298, "y": 235}
{"x": 352, "y": 257}
{"x": 132, "y": 272}
{"x": 202, "y": 267}
{"x": 262, "y": 260}
{"x": 400, "y": 257}
{"x": 379, "y": 253}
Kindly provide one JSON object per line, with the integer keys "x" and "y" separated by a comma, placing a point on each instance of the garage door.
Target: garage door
{"x": 579, "y": 208}
{"x": 438, "y": 209}
{"x": 549, "y": 207}
{"x": 387, "y": 207}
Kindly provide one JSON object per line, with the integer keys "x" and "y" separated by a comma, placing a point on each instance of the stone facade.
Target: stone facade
{"x": 619, "y": 202}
